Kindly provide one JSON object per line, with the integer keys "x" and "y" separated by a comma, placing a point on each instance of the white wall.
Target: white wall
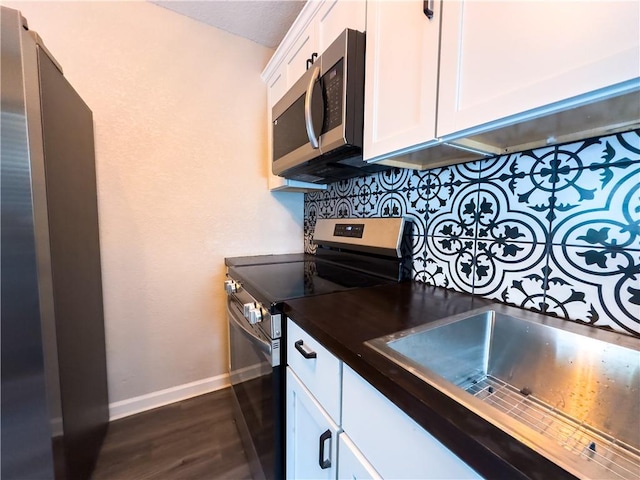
{"x": 180, "y": 131}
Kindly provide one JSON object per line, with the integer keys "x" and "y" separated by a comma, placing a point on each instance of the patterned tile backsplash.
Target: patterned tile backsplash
{"x": 555, "y": 230}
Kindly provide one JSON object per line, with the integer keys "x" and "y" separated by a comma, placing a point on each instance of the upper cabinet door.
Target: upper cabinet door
{"x": 504, "y": 58}
{"x": 336, "y": 15}
{"x": 401, "y": 76}
{"x": 276, "y": 88}
{"x": 301, "y": 50}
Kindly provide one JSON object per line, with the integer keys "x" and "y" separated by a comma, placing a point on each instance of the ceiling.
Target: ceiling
{"x": 262, "y": 21}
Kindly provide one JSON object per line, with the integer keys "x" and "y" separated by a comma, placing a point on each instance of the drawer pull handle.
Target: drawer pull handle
{"x": 303, "y": 351}
{"x": 324, "y": 464}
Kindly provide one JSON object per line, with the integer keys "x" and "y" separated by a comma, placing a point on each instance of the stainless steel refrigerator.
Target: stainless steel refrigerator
{"x": 54, "y": 409}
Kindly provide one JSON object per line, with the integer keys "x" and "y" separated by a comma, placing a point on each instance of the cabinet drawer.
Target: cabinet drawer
{"x": 321, "y": 372}
{"x": 374, "y": 424}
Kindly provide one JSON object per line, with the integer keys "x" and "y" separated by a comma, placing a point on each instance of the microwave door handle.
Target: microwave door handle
{"x": 308, "y": 121}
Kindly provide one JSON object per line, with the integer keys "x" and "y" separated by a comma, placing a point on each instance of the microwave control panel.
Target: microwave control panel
{"x": 333, "y": 88}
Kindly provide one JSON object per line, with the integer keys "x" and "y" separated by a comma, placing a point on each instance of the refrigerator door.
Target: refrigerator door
{"x": 72, "y": 210}
{"x": 54, "y": 382}
{"x": 26, "y": 430}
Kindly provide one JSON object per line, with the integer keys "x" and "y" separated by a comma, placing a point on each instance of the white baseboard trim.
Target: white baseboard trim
{"x": 131, "y": 406}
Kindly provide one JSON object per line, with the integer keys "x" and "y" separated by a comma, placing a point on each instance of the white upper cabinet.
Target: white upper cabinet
{"x": 299, "y": 53}
{"x": 401, "y": 76}
{"x": 500, "y": 59}
{"x": 336, "y": 15}
{"x": 276, "y": 88}
{"x": 494, "y": 77}
{"x": 318, "y": 25}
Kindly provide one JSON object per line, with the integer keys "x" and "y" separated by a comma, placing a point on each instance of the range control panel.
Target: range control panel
{"x": 377, "y": 235}
{"x": 352, "y": 230}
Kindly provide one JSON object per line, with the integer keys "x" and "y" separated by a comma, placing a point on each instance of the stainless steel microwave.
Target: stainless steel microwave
{"x": 317, "y": 125}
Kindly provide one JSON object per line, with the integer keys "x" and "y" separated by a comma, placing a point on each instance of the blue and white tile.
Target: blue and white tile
{"x": 503, "y": 217}
{"x": 512, "y": 166}
{"x": 594, "y": 209}
{"x": 417, "y": 199}
{"x": 526, "y": 192}
{"x": 620, "y": 149}
{"x": 415, "y": 181}
{"x": 526, "y": 289}
{"x": 467, "y": 172}
{"x": 614, "y": 151}
{"x": 343, "y": 208}
{"x": 392, "y": 179}
{"x": 310, "y": 209}
{"x": 326, "y": 205}
{"x": 454, "y": 175}
{"x": 540, "y": 162}
{"x": 591, "y": 287}
{"x": 414, "y": 206}
{"x": 343, "y": 188}
{"x": 390, "y": 205}
{"x": 455, "y": 258}
{"x": 577, "y": 155}
{"x": 312, "y": 196}
{"x": 366, "y": 195}
{"x": 429, "y": 271}
{"x": 456, "y": 217}
{"x": 499, "y": 266}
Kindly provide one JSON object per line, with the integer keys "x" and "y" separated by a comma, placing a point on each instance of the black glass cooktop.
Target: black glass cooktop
{"x": 275, "y": 283}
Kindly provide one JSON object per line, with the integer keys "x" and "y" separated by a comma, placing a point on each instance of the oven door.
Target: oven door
{"x": 257, "y": 390}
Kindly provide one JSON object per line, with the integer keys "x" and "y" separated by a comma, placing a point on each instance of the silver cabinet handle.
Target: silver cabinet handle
{"x": 308, "y": 121}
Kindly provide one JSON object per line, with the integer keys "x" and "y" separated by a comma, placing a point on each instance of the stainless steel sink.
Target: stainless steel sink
{"x": 570, "y": 391}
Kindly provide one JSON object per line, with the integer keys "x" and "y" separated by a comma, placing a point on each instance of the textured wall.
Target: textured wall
{"x": 180, "y": 126}
{"x": 555, "y": 229}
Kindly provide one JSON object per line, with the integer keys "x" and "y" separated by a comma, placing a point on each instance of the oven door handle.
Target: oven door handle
{"x": 262, "y": 344}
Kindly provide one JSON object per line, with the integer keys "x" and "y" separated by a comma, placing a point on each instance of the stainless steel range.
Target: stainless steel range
{"x": 352, "y": 253}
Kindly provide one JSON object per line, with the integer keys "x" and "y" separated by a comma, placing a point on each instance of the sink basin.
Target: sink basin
{"x": 569, "y": 391}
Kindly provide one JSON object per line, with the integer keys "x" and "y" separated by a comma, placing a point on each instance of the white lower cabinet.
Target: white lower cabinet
{"x": 352, "y": 465}
{"x": 338, "y": 426}
{"x": 312, "y": 437}
{"x": 394, "y": 445}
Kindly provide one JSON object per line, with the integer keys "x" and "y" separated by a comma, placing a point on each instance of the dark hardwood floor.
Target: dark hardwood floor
{"x": 193, "y": 439}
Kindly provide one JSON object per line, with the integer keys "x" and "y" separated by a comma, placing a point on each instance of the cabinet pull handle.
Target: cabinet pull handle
{"x": 427, "y": 8}
{"x": 311, "y": 61}
{"x": 308, "y": 120}
{"x": 324, "y": 464}
{"x": 305, "y": 353}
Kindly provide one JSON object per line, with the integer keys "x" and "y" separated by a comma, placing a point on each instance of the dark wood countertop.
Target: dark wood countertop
{"x": 343, "y": 321}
